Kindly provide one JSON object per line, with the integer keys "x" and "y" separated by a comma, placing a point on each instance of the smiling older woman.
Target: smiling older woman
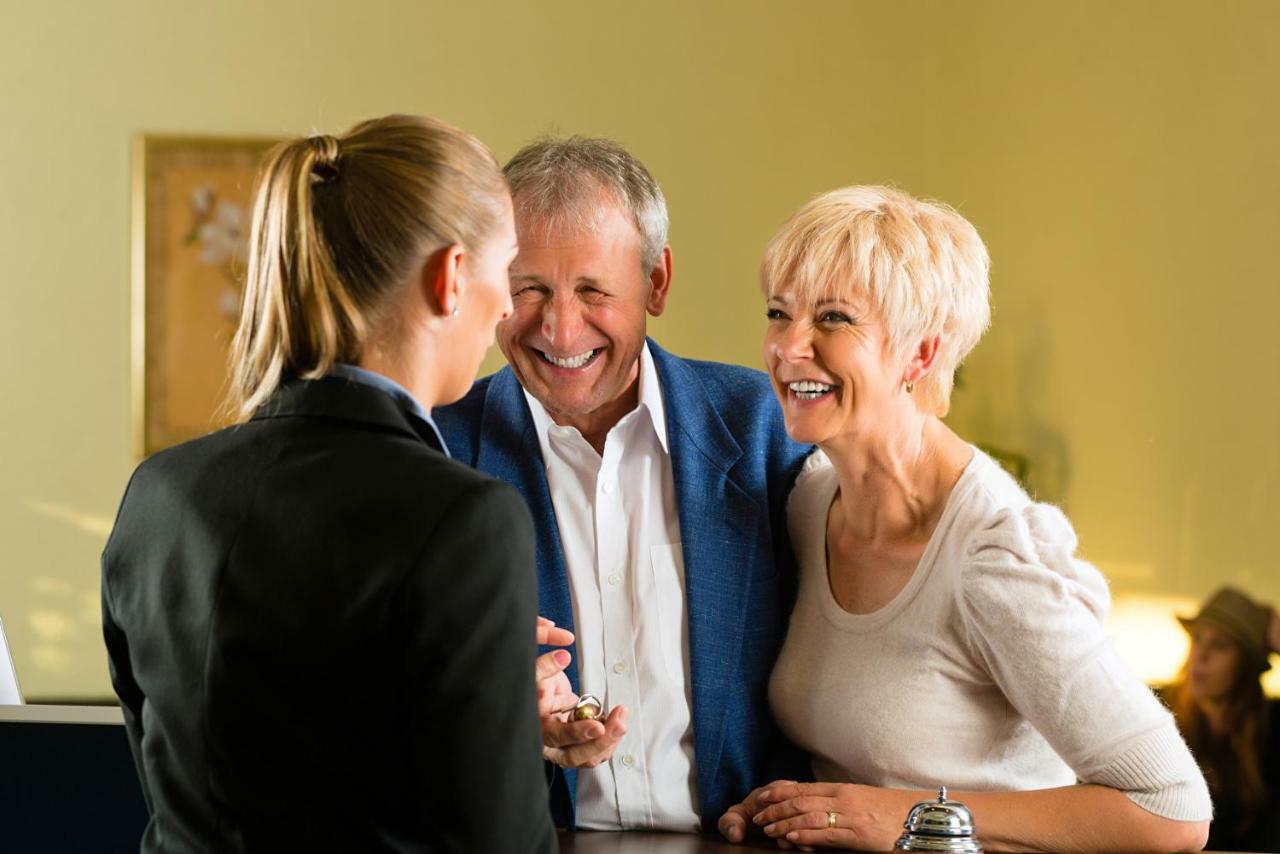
{"x": 944, "y": 632}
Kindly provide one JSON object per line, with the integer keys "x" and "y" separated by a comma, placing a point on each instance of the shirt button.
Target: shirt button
{"x": 607, "y": 487}
{"x": 615, "y": 579}
{"x": 620, "y": 667}
{"x": 628, "y": 760}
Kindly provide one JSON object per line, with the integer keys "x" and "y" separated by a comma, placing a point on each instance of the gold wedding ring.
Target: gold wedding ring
{"x": 831, "y": 820}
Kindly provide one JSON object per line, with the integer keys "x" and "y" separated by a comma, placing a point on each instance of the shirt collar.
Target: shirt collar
{"x": 399, "y": 393}
{"x": 651, "y": 396}
{"x": 650, "y": 402}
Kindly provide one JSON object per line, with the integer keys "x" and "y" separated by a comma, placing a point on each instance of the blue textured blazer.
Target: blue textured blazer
{"x": 733, "y": 465}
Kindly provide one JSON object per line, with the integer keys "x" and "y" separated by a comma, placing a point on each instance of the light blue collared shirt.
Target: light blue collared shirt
{"x": 398, "y": 392}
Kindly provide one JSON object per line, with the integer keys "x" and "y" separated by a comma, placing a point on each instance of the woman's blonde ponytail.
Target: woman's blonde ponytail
{"x": 337, "y": 225}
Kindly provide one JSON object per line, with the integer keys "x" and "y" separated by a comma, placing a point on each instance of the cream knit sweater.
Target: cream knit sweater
{"x": 989, "y": 671}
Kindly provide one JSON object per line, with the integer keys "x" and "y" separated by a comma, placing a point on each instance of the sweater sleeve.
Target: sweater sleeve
{"x": 1033, "y": 614}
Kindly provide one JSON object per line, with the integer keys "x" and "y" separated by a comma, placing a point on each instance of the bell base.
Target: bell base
{"x": 919, "y": 843}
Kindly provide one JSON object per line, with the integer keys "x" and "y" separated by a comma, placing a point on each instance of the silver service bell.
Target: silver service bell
{"x": 940, "y": 825}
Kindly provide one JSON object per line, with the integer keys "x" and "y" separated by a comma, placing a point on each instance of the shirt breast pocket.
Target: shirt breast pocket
{"x": 667, "y": 564}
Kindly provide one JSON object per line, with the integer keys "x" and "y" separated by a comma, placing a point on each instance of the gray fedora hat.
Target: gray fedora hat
{"x": 1244, "y": 620}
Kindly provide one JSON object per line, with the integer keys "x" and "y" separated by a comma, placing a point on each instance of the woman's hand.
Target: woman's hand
{"x": 555, "y": 694}
{"x": 865, "y": 818}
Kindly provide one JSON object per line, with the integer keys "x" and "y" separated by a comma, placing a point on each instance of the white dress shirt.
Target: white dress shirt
{"x": 621, "y": 541}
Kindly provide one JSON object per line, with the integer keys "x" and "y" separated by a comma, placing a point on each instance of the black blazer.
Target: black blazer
{"x": 321, "y": 632}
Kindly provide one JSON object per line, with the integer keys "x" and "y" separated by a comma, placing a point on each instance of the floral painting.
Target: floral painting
{"x": 192, "y": 198}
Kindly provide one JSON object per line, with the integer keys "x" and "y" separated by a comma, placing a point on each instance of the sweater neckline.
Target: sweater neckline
{"x": 847, "y": 621}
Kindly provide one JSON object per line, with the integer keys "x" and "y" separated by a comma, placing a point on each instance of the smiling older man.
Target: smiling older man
{"x": 658, "y": 487}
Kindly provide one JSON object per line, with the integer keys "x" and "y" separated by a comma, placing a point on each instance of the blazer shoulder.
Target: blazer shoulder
{"x": 459, "y": 422}
{"x": 744, "y": 401}
{"x": 734, "y": 384}
{"x": 179, "y": 462}
{"x": 462, "y": 476}
{"x": 469, "y": 407}
{"x": 432, "y": 475}
{"x": 232, "y": 461}
{"x": 478, "y": 495}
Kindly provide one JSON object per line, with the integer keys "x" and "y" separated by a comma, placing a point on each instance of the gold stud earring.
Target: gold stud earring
{"x": 910, "y": 386}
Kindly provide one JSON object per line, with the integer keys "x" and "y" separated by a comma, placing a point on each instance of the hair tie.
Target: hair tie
{"x": 325, "y": 166}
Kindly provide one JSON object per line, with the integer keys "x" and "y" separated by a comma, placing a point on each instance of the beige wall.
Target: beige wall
{"x": 1119, "y": 158}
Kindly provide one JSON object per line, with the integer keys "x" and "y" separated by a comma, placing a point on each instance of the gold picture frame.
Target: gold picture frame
{"x": 191, "y": 198}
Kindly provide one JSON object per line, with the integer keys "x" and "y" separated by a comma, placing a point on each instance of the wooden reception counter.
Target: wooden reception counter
{"x": 599, "y": 842}
{"x": 69, "y": 785}
{"x": 592, "y": 842}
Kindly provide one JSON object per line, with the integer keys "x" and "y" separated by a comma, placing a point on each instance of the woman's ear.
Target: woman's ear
{"x": 441, "y": 279}
{"x": 922, "y": 358}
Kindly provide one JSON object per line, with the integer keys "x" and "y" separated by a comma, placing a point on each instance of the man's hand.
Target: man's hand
{"x": 737, "y": 821}
{"x": 582, "y": 744}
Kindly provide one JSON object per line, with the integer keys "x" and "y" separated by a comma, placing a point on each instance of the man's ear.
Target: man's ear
{"x": 659, "y": 283}
{"x": 441, "y": 279}
{"x": 922, "y": 359}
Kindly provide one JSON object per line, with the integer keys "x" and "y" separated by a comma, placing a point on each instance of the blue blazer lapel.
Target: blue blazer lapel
{"x": 719, "y": 526}
{"x": 509, "y": 450}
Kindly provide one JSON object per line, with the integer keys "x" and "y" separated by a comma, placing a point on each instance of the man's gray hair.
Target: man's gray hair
{"x": 558, "y": 183}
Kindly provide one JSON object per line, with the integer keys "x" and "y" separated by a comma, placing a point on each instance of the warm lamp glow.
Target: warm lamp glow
{"x": 1148, "y": 635}
{"x": 1150, "y": 639}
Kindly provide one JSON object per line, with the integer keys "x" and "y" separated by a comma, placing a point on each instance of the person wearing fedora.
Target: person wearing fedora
{"x": 1231, "y": 728}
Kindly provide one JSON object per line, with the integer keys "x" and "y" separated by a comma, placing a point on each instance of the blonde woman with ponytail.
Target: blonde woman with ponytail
{"x": 317, "y": 622}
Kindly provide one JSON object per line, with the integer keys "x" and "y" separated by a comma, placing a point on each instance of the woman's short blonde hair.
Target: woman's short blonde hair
{"x": 920, "y": 265}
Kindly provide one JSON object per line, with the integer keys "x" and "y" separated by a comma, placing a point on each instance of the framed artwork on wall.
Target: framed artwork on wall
{"x": 191, "y": 200}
